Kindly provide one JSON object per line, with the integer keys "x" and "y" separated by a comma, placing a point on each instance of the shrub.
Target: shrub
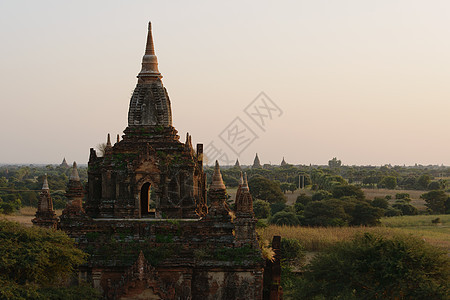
{"x": 321, "y": 195}
{"x": 437, "y": 202}
{"x": 325, "y": 213}
{"x": 349, "y": 191}
{"x": 284, "y": 218}
{"x": 392, "y": 212}
{"x": 375, "y": 267}
{"x": 291, "y": 250}
{"x": 389, "y": 182}
{"x": 380, "y": 203}
{"x": 277, "y": 207}
{"x": 406, "y": 209}
{"x": 265, "y": 189}
{"x": 403, "y": 196}
{"x": 299, "y": 208}
{"x": 10, "y": 205}
{"x": 303, "y": 199}
{"x": 423, "y": 181}
{"x": 261, "y": 209}
{"x": 53, "y": 258}
{"x": 36, "y": 263}
{"x": 365, "y": 214}
{"x": 434, "y": 185}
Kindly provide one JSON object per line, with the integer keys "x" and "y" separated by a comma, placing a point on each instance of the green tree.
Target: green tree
{"x": 334, "y": 163}
{"x": 261, "y": 209}
{"x": 36, "y": 263}
{"x": 303, "y": 199}
{"x": 375, "y": 267}
{"x": 285, "y": 186}
{"x": 321, "y": 195}
{"x": 389, "y": 182}
{"x": 403, "y": 196}
{"x": 434, "y": 185}
{"x": 436, "y": 201}
{"x": 406, "y": 208}
{"x": 299, "y": 208}
{"x": 29, "y": 198}
{"x": 325, "y": 213}
{"x": 348, "y": 191}
{"x": 365, "y": 214}
{"x": 292, "y": 187}
{"x": 53, "y": 258}
{"x": 265, "y": 189}
{"x": 292, "y": 251}
{"x": 276, "y": 207}
{"x": 423, "y": 181}
{"x": 380, "y": 203}
{"x": 284, "y": 218}
{"x": 392, "y": 212}
{"x": 10, "y": 203}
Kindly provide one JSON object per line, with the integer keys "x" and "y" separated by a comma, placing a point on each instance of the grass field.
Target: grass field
{"x": 25, "y": 215}
{"x": 317, "y": 238}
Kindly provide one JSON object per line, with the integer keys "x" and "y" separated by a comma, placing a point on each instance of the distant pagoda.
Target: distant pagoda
{"x": 256, "y": 163}
{"x": 64, "y": 164}
{"x": 237, "y": 164}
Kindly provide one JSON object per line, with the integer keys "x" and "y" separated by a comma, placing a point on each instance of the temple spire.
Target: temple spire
{"x": 256, "y": 162}
{"x": 45, "y": 215}
{"x": 149, "y": 47}
{"x": 245, "y": 184}
{"x": 74, "y": 194}
{"x": 74, "y": 175}
{"x": 217, "y": 182}
{"x": 45, "y": 184}
{"x": 149, "y": 61}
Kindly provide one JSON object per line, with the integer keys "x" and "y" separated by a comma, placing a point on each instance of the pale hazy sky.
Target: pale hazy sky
{"x": 366, "y": 81}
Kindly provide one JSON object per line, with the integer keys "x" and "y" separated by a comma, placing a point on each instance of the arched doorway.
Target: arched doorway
{"x": 147, "y": 201}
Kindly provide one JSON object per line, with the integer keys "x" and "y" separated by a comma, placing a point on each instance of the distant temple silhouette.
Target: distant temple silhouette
{"x": 64, "y": 164}
{"x": 256, "y": 162}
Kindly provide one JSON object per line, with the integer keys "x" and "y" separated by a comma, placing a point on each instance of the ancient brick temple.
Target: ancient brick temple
{"x": 151, "y": 228}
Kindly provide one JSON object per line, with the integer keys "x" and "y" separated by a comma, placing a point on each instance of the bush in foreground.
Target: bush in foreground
{"x": 36, "y": 263}
{"x": 375, "y": 267}
{"x": 284, "y": 218}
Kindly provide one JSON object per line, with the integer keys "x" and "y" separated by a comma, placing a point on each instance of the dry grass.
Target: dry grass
{"x": 25, "y": 215}
{"x": 318, "y": 238}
